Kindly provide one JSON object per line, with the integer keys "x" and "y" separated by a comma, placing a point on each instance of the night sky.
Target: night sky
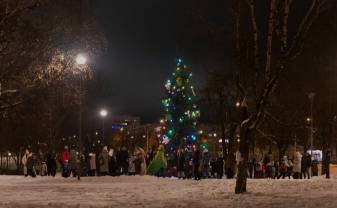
{"x": 144, "y": 39}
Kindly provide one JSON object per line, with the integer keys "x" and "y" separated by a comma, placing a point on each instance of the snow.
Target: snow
{"x": 147, "y": 191}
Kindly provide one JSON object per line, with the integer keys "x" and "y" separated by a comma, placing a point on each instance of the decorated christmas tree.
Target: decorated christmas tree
{"x": 180, "y": 111}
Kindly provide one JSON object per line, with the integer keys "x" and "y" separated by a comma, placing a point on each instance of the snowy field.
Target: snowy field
{"x": 147, "y": 191}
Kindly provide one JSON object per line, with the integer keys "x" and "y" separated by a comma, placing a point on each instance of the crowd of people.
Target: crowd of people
{"x": 298, "y": 167}
{"x": 72, "y": 163}
{"x": 196, "y": 164}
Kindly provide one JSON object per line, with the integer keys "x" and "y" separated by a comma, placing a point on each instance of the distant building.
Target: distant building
{"x": 212, "y": 134}
{"x": 125, "y": 121}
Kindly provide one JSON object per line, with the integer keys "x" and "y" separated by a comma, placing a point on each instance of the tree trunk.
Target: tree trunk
{"x": 18, "y": 159}
{"x": 241, "y": 180}
{"x": 222, "y": 136}
{"x": 230, "y": 163}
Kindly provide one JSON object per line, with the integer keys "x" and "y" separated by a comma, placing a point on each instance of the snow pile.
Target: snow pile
{"x": 147, "y": 191}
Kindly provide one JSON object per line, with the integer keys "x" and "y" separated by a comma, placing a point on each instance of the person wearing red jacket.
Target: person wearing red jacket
{"x": 64, "y": 155}
{"x": 64, "y": 159}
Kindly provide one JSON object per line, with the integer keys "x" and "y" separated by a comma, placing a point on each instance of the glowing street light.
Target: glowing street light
{"x": 308, "y": 120}
{"x": 81, "y": 59}
{"x": 103, "y": 114}
{"x": 237, "y": 104}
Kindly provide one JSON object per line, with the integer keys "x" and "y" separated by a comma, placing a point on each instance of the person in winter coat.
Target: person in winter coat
{"x": 220, "y": 168}
{"x": 64, "y": 160}
{"x": 112, "y": 161}
{"x": 189, "y": 167}
{"x": 250, "y": 164}
{"x": 197, "y": 157}
{"x": 297, "y": 165}
{"x": 206, "y": 161}
{"x": 123, "y": 161}
{"x": 326, "y": 163}
{"x": 73, "y": 160}
{"x": 269, "y": 164}
{"x": 30, "y": 165}
{"x": 104, "y": 161}
{"x": 159, "y": 163}
{"x": 290, "y": 168}
{"x": 283, "y": 167}
{"x": 51, "y": 164}
{"x": 64, "y": 157}
{"x": 92, "y": 164}
{"x": 24, "y": 162}
{"x": 306, "y": 164}
{"x": 314, "y": 167}
{"x": 142, "y": 156}
{"x": 132, "y": 166}
{"x": 150, "y": 155}
{"x": 181, "y": 163}
{"x": 41, "y": 161}
{"x": 303, "y": 166}
{"x": 277, "y": 169}
{"x": 140, "y": 161}
{"x": 214, "y": 167}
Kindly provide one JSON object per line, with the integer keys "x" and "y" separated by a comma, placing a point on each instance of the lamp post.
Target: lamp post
{"x": 81, "y": 60}
{"x": 311, "y": 98}
{"x": 103, "y": 114}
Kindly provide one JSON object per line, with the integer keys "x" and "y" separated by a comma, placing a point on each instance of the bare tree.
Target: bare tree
{"x": 263, "y": 55}
{"x": 39, "y": 76}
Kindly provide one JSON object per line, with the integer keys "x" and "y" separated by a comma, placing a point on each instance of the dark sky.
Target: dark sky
{"x": 143, "y": 41}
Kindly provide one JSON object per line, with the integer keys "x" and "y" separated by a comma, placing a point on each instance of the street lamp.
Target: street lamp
{"x": 103, "y": 114}
{"x": 311, "y": 98}
{"x": 308, "y": 119}
{"x": 81, "y": 59}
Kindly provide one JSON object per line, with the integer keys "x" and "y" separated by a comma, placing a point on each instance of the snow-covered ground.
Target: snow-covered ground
{"x": 147, "y": 191}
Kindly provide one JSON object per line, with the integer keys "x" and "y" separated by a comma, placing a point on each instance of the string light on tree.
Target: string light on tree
{"x": 180, "y": 109}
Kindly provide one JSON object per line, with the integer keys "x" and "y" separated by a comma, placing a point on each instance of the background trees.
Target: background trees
{"x": 39, "y": 77}
{"x": 271, "y": 75}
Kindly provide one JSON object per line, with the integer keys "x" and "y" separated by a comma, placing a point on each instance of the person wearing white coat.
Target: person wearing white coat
{"x": 132, "y": 167}
{"x": 24, "y": 162}
{"x": 92, "y": 164}
{"x": 297, "y": 165}
{"x": 141, "y": 158}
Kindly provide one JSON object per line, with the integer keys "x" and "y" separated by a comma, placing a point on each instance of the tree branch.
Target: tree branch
{"x": 271, "y": 21}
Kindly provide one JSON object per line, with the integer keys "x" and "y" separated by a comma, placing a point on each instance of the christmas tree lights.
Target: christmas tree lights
{"x": 180, "y": 111}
